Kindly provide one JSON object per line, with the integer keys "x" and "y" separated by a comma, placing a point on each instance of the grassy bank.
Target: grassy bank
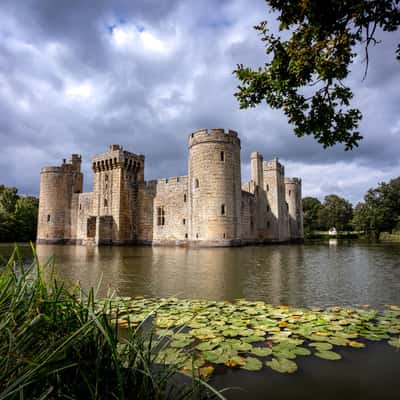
{"x": 324, "y": 235}
{"x": 390, "y": 237}
{"x": 58, "y": 343}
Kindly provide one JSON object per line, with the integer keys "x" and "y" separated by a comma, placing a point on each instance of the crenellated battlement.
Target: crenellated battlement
{"x": 175, "y": 180}
{"x": 52, "y": 170}
{"x": 210, "y": 206}
{"x": 294, "y": 181}
{"x": 214, "y": 135}
{"x": 272, "y": 165}
{"x": 117, "y": 157}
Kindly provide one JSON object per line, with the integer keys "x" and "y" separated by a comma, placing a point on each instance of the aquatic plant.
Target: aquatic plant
{"x": 253, "y": 334}
{"x": 58, "y": 343}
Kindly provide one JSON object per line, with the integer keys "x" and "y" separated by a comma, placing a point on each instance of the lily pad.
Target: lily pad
{"x": 301, "y": 351}
{"x": 328, "y": 355}
{"x": 261, "y": 351}
{"x": 252, "y": 364}
{"x": 395, "y": 342}
{"x": 320, "y": 346}
{"x": 282, "y": 365}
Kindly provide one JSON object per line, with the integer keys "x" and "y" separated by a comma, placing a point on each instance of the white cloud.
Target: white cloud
{"x": 129, "y": 37}
{"x": 81, "y": 91}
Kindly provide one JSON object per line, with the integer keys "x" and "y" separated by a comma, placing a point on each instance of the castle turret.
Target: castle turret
{"x": 257, "y": 168}
{"x": 117, "y": 174}
{"x": 57, "y": 185}
{"x": 214, "y": 187}
{"x": 274, "y": 186}
{"x": 293, "y": 199}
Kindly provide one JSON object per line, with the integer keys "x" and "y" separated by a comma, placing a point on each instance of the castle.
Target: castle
{"x": 208, "y": 207}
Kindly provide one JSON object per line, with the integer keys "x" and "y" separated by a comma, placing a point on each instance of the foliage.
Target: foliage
{"x": 311, "y": 209}
{"x": 335, "y": 212}
{"x": 380, "y": 211}
{"x": 304, "y": 75}
{"x": 18, "y": 216}
{"x": 57, "y": 343}
{"x": 252, "y": 335}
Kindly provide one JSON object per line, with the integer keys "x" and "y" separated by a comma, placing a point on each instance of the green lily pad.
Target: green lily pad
{"x": 252, "y": 364}
{"x": 180, "y": 343}
{"x": 252, "y": 339}
{"x": 261, "y": 351}
{"x": 282, "y": 365}
{"x": 328, "y": 355}
{"x": 320, "y": 346}
{"x": 395, "y": 342}
{"x": 301, "y": 351}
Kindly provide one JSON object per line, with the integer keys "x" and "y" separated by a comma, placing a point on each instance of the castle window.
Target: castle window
{"x": 166, "y": 181}
{"x": 160, "y": 216}
{"x": 267, "y": 188}
{"x": 80, "y": 206}
{"x": 186, "y": 235}
{"x": 105, "y": 203}
{"x": 224, "y": 235}
{"x": 268, "y": 208}
{"x": 177, "y": 179}
{"x": 222, "y": 209}
{"x": 222, "y": 156}
{"x": 184, "y": 198}
{"x": 48, "y": 218}
{"x": 197, "y": 235}
{"x": 184, "y": 221}
{"x": 267, "y": 224}
{"x": 196, "y": 183}
{"x": 290, "y": 192}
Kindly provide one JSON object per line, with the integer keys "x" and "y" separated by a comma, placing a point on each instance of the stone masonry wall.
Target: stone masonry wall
{"x": 170, "y": 212}
{"x": 214, "y": 186}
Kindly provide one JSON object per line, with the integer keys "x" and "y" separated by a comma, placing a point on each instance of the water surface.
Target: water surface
{"x": 300, "y": 275}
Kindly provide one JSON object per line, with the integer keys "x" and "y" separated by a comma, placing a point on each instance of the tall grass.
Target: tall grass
{"x": 56, "y": 343}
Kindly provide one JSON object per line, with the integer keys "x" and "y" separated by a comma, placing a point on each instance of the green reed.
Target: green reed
{"x": 56, "y": 343}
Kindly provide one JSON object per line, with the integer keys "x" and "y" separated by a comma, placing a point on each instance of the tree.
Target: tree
{"x": 26, "y": 214}
{"x": 380, "y": 211}
{"x": 18, "y": 216}
{"x": 311, "y": 209}
{"x": 335, "y": 212}
{"x": 305, "y": 74}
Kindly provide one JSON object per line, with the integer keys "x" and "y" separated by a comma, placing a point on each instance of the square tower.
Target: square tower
{"x": 117, "y": 174}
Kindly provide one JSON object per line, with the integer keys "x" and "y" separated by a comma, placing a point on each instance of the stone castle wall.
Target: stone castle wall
{"x": 214, "y": 186}
{"x": 209, "y": 207}
{"x": 170, "y": 215}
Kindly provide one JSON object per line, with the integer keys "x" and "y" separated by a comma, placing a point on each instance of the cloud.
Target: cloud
{"x": 76, "y": 76}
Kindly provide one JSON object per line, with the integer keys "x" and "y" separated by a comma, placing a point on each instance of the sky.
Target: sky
{"x": 77, "y": 76}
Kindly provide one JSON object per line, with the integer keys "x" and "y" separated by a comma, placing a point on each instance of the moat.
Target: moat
{"x": 301, "y": 275}
{"x": 311, "y": 275}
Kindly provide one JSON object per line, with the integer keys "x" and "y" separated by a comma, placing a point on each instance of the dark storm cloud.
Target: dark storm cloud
{"x": 76, "y": 76}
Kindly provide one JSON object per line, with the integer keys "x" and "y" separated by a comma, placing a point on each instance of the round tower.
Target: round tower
{"x": 214, "y": 187}
{"x": 293, "y": 199}
{"x": 53, "y": 203}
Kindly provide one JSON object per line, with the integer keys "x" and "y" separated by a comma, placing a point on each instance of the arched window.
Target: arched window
{"x": 184, "y": 198}
{"x": 222, "y": 155}
{"x": 290, "y": 192}
{"x": 222, "y": 209}
{"x": 184, "y": 221}
{"x": 196, "y": 183}
{"x": 48, "y": 218}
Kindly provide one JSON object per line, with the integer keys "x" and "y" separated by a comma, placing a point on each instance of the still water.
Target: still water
{"x": 301, "y": 275}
